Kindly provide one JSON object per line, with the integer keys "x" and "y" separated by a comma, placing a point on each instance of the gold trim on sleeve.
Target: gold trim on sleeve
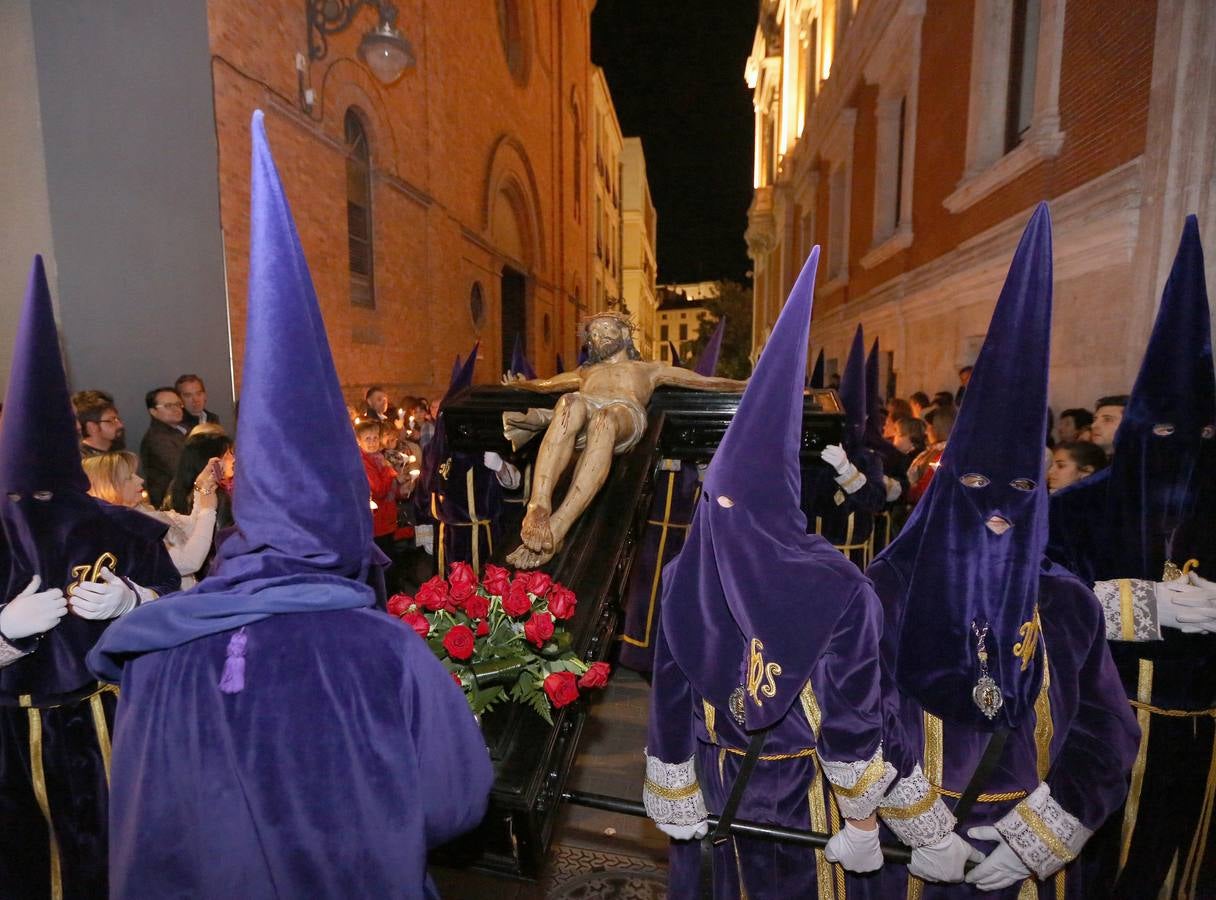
{"x": 1127, "y": 617}
{"x": 1044, "y": 727}
{"x": 1049, "y": 838}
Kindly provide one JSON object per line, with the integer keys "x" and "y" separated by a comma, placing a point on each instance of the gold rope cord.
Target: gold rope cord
{"x": 1194, "y": 859}
{"x": 39, "y": 779}
{"x": 1144, "y": 693}
{"x": 658, "y": 568}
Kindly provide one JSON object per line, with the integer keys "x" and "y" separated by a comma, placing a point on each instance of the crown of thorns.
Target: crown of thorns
{"x": 621, "y": 320}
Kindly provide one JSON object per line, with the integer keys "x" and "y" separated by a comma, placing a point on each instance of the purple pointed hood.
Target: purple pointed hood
{"x": 560, "y": 364}
{"x": 519, "y": 361}
{"x": 751, "y": 591}
{"x": 854, "y": 394}
{"x": 875, "y": 407}
{"x": 456, "y": 365}
{"x": 39, "y": 445}
{"x": 817, "y": 379}
{"x": 707, "y": 362}
{"x": 1160, "y": 495}
{"x": 303, "y": 539}
{"x": 675, "y": 355}
{"x": 973, "y": 549}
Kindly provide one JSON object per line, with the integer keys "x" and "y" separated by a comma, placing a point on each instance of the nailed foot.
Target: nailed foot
{"x": 522, "y": 557}
{"x": 535, "y": 531}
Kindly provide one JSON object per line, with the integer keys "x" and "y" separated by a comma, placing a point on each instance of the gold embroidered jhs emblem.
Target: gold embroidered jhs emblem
{"x": 93, "y": 572}
{"x": 761, "y": 675}
{"x": 1024, "y": 649}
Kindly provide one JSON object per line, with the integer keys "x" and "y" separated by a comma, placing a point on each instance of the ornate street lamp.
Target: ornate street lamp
{"x": 384, "y": 49}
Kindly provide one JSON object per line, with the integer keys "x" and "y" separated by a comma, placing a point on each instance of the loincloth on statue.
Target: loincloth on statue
{"x": 519, "y": 428}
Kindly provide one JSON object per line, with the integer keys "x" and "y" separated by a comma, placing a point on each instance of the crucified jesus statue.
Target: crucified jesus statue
{"x": 602, "y": 412}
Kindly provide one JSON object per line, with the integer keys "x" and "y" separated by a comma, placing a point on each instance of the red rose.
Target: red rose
{"x": 562, "y": 688}
{"x": 539, "y": 629}
{"x": 516, "y": 602}
{"x": 459, "y": 642}
{"x": 462, "y": 582}
{"x": 434, "y": 595}
{"x": 496, "y": 580}
{"x": 596, "y": 676}
{"x": 482, "y": 629}
{"x": 476, "y": 607}
{"x": 456, "y": 678}
{"x": 538, "y": 582}
{"x": 562, "y": 602}
{"x": 399, "y": 604}
{"x": 418, "y": 622}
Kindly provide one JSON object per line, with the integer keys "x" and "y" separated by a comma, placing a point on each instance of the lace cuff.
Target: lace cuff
{"x": 852, "y": 480}
{"x": 859, "y": 785}
{"x": 1042, "y": 833}
{"x": 915, "y": 812}
{"x": 1129, "y": 606}
{"x": 671, "y": 793}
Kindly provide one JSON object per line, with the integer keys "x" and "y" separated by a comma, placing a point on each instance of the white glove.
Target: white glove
{"x": 685, "y": 832}
{"x": 492, "y": 461}
{"x": 834, "y": 456}
{"x": 894, "y": 488}
{"x": 943, "y": 861}
{"x": 854, "y": 848}
{"x": 32, "y": 611}
{"x": 1000, "y": 868}
{"x": 1187, "y": 603}
{"x": 107, "y": 599}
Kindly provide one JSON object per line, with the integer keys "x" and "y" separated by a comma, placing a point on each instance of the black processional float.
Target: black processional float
{"x": 532, "y": 759}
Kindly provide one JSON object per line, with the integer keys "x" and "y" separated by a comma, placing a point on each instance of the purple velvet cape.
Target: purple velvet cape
{"x": 347, "y": 756}
{"x": 845, "y": 682}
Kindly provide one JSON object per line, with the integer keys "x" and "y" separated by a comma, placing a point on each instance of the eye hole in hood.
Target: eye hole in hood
{"x": 1023, "y": 484}
{"x": 1163, "y": 429}
{"x": 974, "y": 480}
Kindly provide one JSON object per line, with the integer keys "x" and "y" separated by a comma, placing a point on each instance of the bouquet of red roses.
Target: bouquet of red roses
{"x": 502, "y": 638}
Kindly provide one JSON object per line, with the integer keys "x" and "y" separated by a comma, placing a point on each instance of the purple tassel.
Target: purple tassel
{"x": 233, "y": 679}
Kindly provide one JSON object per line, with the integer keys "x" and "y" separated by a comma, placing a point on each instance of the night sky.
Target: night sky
{"x": 675, "y": 69}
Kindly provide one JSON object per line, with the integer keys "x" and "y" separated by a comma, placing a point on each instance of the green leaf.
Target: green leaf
{"x": 540, "y": 705}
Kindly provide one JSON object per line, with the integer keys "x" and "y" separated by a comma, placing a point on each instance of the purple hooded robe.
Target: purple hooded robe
{"x": 764, "y": 627}
{"x": 278, "y": 737}
{"x": 55, "y": 719}
{"x": 972, "y": 554}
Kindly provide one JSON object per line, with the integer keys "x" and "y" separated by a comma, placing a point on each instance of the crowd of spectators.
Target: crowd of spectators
{"x": 183, "y": 472}
{"x": 1078, "y": 444}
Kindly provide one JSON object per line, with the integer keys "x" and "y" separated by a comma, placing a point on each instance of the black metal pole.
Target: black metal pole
{"x": 749, "y": 829}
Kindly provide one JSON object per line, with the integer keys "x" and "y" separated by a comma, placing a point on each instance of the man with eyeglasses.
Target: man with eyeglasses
{"x": 101, "y": 428}
{"x": 163, "y": 441}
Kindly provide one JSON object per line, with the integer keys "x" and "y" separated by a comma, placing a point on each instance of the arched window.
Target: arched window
{"x": 359, "y": 211}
